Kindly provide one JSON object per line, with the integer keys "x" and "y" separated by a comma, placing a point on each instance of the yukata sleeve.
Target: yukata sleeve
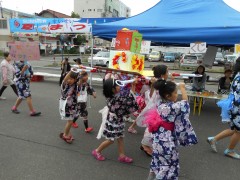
{"x": 184, "y": 131}
{"x": 30, "y": 69}
{"x": 236, "y": 91}
{"x": 90, "y": 89}
{"x": 130, "y": 103}
{"x": 17, "y": 72}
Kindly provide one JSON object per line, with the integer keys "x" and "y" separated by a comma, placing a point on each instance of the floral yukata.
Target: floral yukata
{"x": 165, "y": 157}
{"x": 118, "y": 106}
{"x": 23, "y": 80}
{"x": 69, "y": 93}
{"x": 235, "y": 104}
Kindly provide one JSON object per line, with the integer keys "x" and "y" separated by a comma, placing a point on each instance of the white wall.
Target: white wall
{"x": 86, "y": 5}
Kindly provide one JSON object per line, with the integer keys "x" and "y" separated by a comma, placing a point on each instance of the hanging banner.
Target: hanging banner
{"x": 49, "y": 25}
{"x": 198, "y": 47}
{"x": 145, "y": 47}
{"x": 24, "y": 50}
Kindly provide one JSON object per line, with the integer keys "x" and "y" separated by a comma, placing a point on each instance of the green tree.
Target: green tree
{"x": 75, "y": 15}
{"x": 81, "y": 39}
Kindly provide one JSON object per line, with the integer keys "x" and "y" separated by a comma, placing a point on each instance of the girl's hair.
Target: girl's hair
{"x": 159, "y": 70}
{"x": 73, "y": 75}
{"x": 108, "y": 85}
{"x": 196, "y": 72}
{"x": 6, "y": 54}
{"x": 84, "y": 73}
{"x": 165, "y": 87}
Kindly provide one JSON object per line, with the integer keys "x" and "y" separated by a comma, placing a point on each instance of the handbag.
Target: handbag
{"x": 82, "y": 96}
{"x": 62, "y": 106}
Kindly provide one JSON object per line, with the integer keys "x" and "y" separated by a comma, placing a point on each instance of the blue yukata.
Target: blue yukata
{"x": 235, "y": 105}
{"x": 23, "y": 80}
{"x": 165, "y": 157}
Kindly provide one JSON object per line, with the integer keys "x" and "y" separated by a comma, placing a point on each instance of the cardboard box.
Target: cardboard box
{"x": 126, "y": 60}
{"x": 128, "y": 41}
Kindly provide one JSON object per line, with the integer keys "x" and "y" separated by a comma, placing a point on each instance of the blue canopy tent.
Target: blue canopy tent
{"x": 181, "y": 22}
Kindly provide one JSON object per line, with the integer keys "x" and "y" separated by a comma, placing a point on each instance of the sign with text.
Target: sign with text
{"x": 198, "y": 47}
{"x": 145, "y": 47}
{"x": 49, "y": 25}
{"x": 24, "y": 50}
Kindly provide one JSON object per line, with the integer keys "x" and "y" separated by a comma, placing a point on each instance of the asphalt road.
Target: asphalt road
{"x": 31, "y": 149}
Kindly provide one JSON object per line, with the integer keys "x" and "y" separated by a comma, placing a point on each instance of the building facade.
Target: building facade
{"x": 103, "y": 8}
{"x": 5, "y": 34}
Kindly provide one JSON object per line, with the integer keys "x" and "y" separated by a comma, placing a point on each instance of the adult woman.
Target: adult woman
{"x": 199, "y": 82}
{"x": 225, "y": 82}
{"x": 7, "y": 74}
{"x": 65, "y": 67}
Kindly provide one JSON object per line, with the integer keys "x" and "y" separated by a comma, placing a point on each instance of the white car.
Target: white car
{"x": 191, "y": 60}
{"x": 100, "y": 59}
{"x": 231, "y": 58}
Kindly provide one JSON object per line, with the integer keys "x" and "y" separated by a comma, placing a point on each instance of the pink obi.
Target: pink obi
{"x": 154, "y": 121}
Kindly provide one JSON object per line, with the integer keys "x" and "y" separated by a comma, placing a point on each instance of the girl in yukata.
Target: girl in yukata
{"x": 152, "y": 96}
{"x": 68, "y": 104}
{"x": 118, "y": 105}
{"x": 84, "y": 89}
{"x": 230, "y": 114}
{"x": 23, "y": 73}
{"x": 170, "y": 127}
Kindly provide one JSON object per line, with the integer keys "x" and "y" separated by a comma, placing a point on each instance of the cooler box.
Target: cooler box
{"x": 126, "y": 60}
{"x": 128, "y": 41}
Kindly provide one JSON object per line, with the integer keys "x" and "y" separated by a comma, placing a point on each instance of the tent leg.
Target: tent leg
{"x": 89, "y": 99}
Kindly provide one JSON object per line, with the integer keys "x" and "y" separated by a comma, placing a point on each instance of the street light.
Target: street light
{"x": 1, "y": 9}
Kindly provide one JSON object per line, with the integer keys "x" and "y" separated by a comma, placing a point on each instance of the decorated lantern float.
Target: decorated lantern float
{"x": 126, "y": 55}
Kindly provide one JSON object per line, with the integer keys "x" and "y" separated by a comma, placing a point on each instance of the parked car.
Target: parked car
{"x": 155, "y": 56}
{"x": 191, "y": 60}
{"x": 169, "y": 57}
{"x": 231, "y": 58}
{"x": 100, "y": 59}
{"x": 219, "y": 59}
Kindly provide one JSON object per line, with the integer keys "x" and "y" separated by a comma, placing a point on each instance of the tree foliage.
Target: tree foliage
{"x": 75, "y": 15}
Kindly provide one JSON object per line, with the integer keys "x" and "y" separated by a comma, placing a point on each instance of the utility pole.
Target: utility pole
{"x": 1, "y": 9}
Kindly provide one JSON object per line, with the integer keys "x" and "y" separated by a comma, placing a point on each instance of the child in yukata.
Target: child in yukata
{"x": 68, "y": 104}
{"x": 23, "y": 73}
{"x": 84, "y": 89}
{"x": 170, "y": 127}
{"x": 118, "y": 105}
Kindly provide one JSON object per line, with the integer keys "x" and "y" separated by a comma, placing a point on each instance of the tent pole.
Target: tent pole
{"x": 92, "y": 42}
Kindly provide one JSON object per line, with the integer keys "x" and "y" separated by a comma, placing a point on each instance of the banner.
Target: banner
{"x": 49, "y": 25}
{"x": 24, "y": 50}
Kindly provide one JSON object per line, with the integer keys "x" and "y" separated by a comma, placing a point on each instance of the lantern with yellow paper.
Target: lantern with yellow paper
{"x": 126, "y": 60}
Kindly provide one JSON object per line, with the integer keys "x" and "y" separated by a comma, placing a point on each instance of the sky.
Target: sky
{"x": 66, "y": 6}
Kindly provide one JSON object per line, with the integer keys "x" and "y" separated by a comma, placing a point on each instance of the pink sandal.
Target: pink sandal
{"x": 132, "y": 130}
{"x": 66, "y": 139}
{"x": 98, "y": 155}
{"x": 125, "y": 159}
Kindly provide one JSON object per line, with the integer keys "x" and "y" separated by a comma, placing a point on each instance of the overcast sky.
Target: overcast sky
{"x": 66, "y": 6}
